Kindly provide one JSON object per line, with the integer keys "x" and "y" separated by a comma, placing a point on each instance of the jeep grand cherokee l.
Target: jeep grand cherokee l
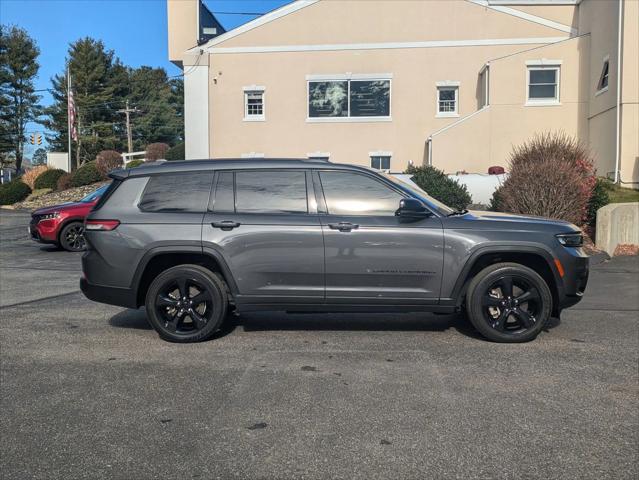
{"x": 189, "y": 240}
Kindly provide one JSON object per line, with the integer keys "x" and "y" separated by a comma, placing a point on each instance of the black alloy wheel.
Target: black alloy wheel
{"x": 508, "y": 302}
{"x": 511, "y": 304}
{"x": 72, "y": 237}
{"x": 186, "y": 303}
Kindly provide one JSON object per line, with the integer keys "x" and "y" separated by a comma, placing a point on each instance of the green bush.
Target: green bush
{"x": 48, "y": 179}
{"x": 176, "y": 152}
{"x": 495, "y": 201}
{"x": 134, "y": 163}
{"x": 86, "y": 175}
{"x": 14, "y": 191}
{"x": 441, "y": 187}
{"x": 598, "y": 199}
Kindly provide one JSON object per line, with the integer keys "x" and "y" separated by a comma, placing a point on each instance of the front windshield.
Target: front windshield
{"x": 92, "y": 197}
{"x": 407, "y": 184}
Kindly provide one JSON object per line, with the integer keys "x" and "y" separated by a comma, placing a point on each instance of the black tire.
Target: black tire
{"x": 72, "y": 237}
{"x": 508, "y": 303}
{"x": 180, "y": 317}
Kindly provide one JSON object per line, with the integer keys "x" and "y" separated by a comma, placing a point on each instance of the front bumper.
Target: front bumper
{"x": 575, "y": 280}
{"x": 44, "y": 231}
{"x": 122, "y": 297}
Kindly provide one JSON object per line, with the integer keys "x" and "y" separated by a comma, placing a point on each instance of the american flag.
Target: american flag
{"x": 71, "y": 112}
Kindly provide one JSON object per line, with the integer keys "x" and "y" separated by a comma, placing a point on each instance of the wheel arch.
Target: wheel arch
{"x": 535, "y": 258}
{"x": 66, "y": 222}
{"x": 159, "y": 259}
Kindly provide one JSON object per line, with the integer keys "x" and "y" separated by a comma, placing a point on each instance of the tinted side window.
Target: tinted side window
{"x": 177, "y": 192}
{"x": 356, "y": 194}
{"x": 224, "y": 201}
{"x": 107, "y": 193}
{"x": 270, "y": 191}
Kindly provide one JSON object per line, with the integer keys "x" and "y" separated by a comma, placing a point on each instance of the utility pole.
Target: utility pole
{"x": 128, "y": 111}
{"x": 69, "y": 120}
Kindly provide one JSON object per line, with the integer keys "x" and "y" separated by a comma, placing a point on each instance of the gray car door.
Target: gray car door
{"x": 264, "y": 224}
{"x": 371, "y": 254}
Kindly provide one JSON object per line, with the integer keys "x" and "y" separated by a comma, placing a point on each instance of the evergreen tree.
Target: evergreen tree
{"x": 18, "y": 100}
{"x": 39, "y": 157}
{"x": 101, "y": 85}
{"x": 160, "y": 103}
{"x": 98, "y": 82}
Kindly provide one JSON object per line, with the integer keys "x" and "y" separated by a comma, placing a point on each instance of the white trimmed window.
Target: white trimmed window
{"x": 349, "y": 97}
{"x": 543, "y": 85}
{"x": 447, "y": 99}
{"x": 381, "y": 160}
{"x": 254, "y": 104}
{"x": 602, "y": 85}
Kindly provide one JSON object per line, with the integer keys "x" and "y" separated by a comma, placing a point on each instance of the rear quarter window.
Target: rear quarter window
{"x": 177, "y": 192}
{"x": 107, "y": 193}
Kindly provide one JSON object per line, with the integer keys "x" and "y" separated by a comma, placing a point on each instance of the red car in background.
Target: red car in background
{"x": 63, "y": 225}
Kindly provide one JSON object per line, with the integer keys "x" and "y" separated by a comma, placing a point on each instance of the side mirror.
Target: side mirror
{"x": 412, "y": 208}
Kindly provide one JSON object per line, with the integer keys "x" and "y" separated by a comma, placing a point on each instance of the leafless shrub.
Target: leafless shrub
{"x": 64, "y": 182}
{"x": 552, "y": 176}
{"x": 30, "y": 177}
{"x": 108, "y": 160}
{"x": 156, "y": 151}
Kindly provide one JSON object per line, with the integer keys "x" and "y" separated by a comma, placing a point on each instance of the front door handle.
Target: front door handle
{"x": 226, "y": 225}
{"x": 343, "y": 226}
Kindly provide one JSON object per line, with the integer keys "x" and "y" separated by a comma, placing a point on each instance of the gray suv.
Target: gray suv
{"x": 191, "y": 240}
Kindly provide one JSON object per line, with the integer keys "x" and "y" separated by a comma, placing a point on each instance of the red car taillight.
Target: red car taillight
{"x": 101, "y": 225}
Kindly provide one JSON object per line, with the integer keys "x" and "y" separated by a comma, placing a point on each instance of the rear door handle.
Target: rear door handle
{"x": 226, "y": 225}
{"x": 343, "y": 226}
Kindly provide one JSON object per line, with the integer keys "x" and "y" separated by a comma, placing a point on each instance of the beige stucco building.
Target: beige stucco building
{"x": 452, "y": 83}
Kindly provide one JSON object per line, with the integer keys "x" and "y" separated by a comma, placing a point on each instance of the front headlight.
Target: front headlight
{"x": 571, "y": 239}
{"x": 49, "y": 216}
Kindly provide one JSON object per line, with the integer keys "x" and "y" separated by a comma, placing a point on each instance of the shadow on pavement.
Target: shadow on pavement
{"x": 135, "y": 319}
{"x": 51, "y": 249}
{"x": 280, "y": 321}
{"x": 357, "y": 322}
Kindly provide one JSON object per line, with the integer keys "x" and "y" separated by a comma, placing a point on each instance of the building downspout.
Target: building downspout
{"x": 430, "y": 151}
{"x": 618, "y": 131}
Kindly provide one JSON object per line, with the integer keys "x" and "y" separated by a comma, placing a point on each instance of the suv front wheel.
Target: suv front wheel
{"x": 508, "y": 303}
{"x": 186, "y": 303}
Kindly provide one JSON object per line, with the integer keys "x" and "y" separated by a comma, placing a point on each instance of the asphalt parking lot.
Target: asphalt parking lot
{"x": 90, "y": 391}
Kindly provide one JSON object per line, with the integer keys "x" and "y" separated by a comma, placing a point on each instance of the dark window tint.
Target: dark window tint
{"x": 178, "y": 192}
{"x": 224, "y": 201}
{"x": 328, "y": 99}
{"x": 107, "y": 193}
{"x": 370, "y": 98}
{"x": 603, "y": 81}
{"x": 356, "y": 194}
{"x": 268, "y": 191}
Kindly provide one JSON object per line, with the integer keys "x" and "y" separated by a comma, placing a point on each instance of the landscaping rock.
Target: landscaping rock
{"x": 56, "y": 198}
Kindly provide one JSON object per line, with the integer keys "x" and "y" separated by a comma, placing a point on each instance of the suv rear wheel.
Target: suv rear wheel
{"x": 508, "y": 303}
{"x": 186, "y": 303}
